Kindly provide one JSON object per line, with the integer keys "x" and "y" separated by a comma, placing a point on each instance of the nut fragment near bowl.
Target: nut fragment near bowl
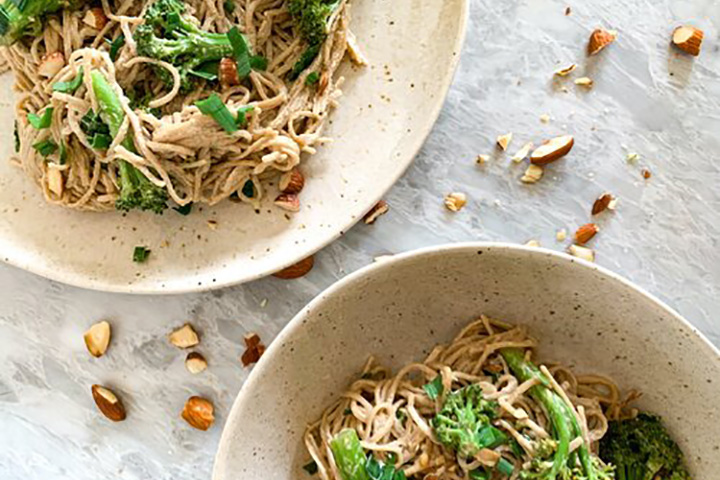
{"x": 397, "y": 310}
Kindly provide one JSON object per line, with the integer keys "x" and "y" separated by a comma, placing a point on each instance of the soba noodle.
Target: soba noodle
{"x": 181, "y": 150}
{"x": 392, "y": 414}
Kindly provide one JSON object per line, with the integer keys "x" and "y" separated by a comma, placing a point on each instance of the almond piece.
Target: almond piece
{"x": 488, "y": 457}
{"x": 521, "y": 154}
{"x": 199, "y": 413}
{"x": 288, "y": 201}
{"x": 688, "y": 39}
{"x": 602, "y": 203}
{"x": 561, "y": 235}
{"x": 564, "y": 72}
{"x": 292, "y": 182}
{"x": 599, "y": 39}
{"x": 586, "y": 82}
{"x": 252, "y": 355}
{"x": 184, "y": 337}
{"x": 195, "y": 363}
{"x": 252, "y": 340}
{"x": 97, "y": 338}
{"x": 503, "y": 141}
{"x": 228, "y": 72}
{"x": 51, "y": 64}
{"x": 532, "y": 243}
{"x": 380, "y": 209}
{"x": 646, "y": 174}
{"x": 297, "y": 270}
{"x": 582, "y": 252}
{"x": 552, "y": 150}
{"x": 455, "y": 201}
{"x": 585, "y": 233}
{"x": 108, "y": 403}
{"x": 95, "y": 18}
{"x": 55, "y": 180}
{"x": 482, "y": 159}
{"x": 533, "y": 174}
{"x": 545, "y": 118}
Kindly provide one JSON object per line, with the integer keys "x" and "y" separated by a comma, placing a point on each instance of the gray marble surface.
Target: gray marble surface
{"x": 664, "y": 235}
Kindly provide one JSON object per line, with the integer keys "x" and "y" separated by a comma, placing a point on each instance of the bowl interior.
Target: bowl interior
{"x": 413, "y": 49}
{"x": 398, "y": 310}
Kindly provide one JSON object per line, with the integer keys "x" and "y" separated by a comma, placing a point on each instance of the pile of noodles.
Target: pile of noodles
{"x": 181, "y": 150}
{"x": 392, "y": 414}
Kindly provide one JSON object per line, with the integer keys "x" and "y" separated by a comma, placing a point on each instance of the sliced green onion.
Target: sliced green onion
{"x": 311, "y": 468}
{"x": 100, "y": 141}
{"x": 184, "y": 210}
{"x": 305, "y": 60}
{"x": 312, "y": 78}
{"x": 214, "y": 107}
{"x": 115, "y": 47}
{"x": 490, "y": 437}
{"x": 505, "y": 467}
{"x": 241, "y": 52}
{"x": 479, "y": 474}
{"x": 46, "y": 147}
{"x": 258, "y": 62}
{"x": 241, "y": 119}
{"x": 71, "y": 85}
{"x": 63, "y": 153}
{"x": 41, "y": 121}
{"x": 140, "y": 254}
{"x": 207, "y": 71}
{"x": 435, "y": 388}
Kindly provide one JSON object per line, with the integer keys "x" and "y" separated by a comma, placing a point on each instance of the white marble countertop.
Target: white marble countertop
{"x": 664, "y": 235}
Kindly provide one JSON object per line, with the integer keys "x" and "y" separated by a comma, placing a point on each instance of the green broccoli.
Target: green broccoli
{"x": 641, "y": 449}
{"x": 136, "y": 191}
{"x": 463, "y": 423}
{"x": 311, "y": 18}
{"x": 172, "y": 35}
{"x": 580, "y": 465}
{"x": 25, "y": 17}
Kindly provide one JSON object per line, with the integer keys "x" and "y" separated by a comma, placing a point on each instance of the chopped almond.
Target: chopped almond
{"x": 380, "y": 209}
{"x": 585, "y": 233}
{"x": 602, "y": 203}
{"x": 582, "y": 252}
{"x": 586, "y": 82}
{"x": 297, "y": 270}
{"x": 521, "y": 154}
{"x": 688, "y": 39}
{"x": 51, "y": 64}
{"x": 564, "y": 72}
{"x": 199, "y": 413}
{"x": 533, "y": 174}
{"x": 503, "y": 141}
{"x": 599, "y": 39}
{"x": 184, "y": 337}
{"x": 455, "y": 201}
{"x": 552, "y": 150}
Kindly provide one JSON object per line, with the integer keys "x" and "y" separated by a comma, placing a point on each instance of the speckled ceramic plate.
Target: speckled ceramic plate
{"x": 583, "y": 315}
{"x": 387, "y": 111}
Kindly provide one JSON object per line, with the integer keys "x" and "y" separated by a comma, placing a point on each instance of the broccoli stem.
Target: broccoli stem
{"x": 349, "y": 455}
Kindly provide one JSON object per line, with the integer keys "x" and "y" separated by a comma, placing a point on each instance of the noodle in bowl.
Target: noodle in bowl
{"x": 179, "y": 149}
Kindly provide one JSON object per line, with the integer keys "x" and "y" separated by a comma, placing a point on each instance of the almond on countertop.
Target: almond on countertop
{"x": 482, "y": 159}
{"x": 380, "y": 209}
{"x": 688, "y": 39}
{"x": 455, "y": 201}
{"x": 521, "y": 154}
{"x": 97, "y": 338}
{"x": 533, "y": 174}
{"x": 552, "y": 150}
{"x": 503, "y": 141}
{"x": 532, "y": 243}
{"x": 108, "y": 403}
{"x": 585, "y": 233}
{"x": 254, "y": 349}
{"x": 564, "y": 72}
{"x": 561, "y": 235}
{"x": 292, "y": 182}
{"x": 199, "y": 413}
{"x": 602, "y": 203}
{"x": 586, "y": 82}
{"x": 599, "y": 39}
{"x": 582, "y": 252}
{"x": 195, "y": 363}
{"x": 297, "y": 270}
{"x": 184, "y": 337}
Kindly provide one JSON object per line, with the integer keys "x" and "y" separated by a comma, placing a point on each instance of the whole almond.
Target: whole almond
{"x": 585, "y": 233}
{"x": 292, "y": 182}
{"x": 97, "y": 338}
{"x": 108, "y": 403}
{"x": 199, "y": 413}
{"x": 552, "y": 150}
{"x": 599, "y": 39}
{"x": 297, "y": 270}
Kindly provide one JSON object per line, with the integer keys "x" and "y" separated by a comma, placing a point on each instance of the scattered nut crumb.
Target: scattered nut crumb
{"x": 212, "y": 224}
{"x": 599, "y": 39}
{"x": 97, "y": 338}
{"x": 532, "y": 243}
{"x": 585, "y": 233}
{"x": 646, "y": 174}
{"x": 561, "y": 235}
{"x": 254, "y": 348}
{"x": 521, "y": 154}
{"x": 108, "y": 403}
{"x": 545, "y": 118}
{"x": 564, "y": 72}
{"x": 503, "y": 141}
{"x": 568, "y": 11}
{"x": 455, "y": 201}
{"x": 582, "y": 252}
{"x": 184, "y": 337}
{"x": 552, "y": 150}
{"x": 533, "y": 174}
{"x": 199, "y": 413}
{"x": 586, "y": 82}
{"x": 380, "y": 209}
{"x": 602, "y": 203}
{"x": 481, "y": 159}
{"x": 195, "y": 363}
{"x": 164, "y": 244}
{"x": 632, "y": 157}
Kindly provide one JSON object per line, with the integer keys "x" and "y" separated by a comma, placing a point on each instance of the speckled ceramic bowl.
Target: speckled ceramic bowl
{"x": 399, "y": 309}
{"x": 385, "y": 114}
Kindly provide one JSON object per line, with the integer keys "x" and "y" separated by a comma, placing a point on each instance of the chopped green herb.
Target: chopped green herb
{"x": 305, "y": 60}
{"x": 241, "y": 119}
{"x": 505, "y": 467}
{"x": 241, "y": 50}
{"x": 71, "y": 85}
{"x": 311, "y": 468}
{"x": 207, "y": 71}
{"x": 376, "y": 470}
{"x": 41, "y": 121}
{"x": 214, "y": 107}
{"x": 312, "y": 78}
{"x": 258, "y": 62}
{"x": 63, "y": 153}
{"x": 249, "y": 189}
{"x": 435, "y": 388}
{"x": 480, "y": 474}
{"x": 100, "y": 141}
{"x": 229, "y": 6}
{"x": 17, "y": 138}
{"x": 184, "y": 210}
{"x": 115, "y": 46}
{"x": 140, "y": 254}
{"x": 516, "y": 448}
{"x": 46, "y": 147}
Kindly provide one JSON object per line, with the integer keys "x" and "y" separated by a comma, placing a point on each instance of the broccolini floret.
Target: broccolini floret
{"x": 463, "y": 423}
{"x": 20, "y": 18}
{"x": 311, "y": 18}
{"x": 172, "y": 35}
{"x": 641, "y": 449}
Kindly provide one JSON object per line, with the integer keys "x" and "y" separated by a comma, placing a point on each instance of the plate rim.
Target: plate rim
{"x": 296, "y": 323}
{"x": 74, "y": 279}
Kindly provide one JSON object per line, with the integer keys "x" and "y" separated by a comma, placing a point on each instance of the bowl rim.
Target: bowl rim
{"x": 296, "y": 323}
{"x": 72, "y": 278}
